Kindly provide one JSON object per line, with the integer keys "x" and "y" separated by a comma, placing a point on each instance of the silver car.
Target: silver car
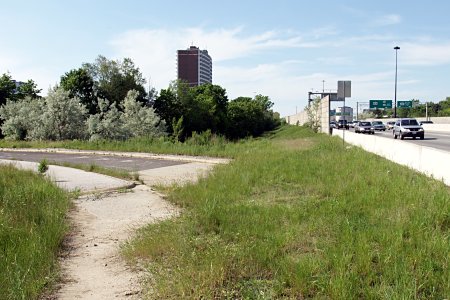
{"x": 408, "y": 128}
{"x": 390, "y": 125}
{"x": 378, "y": 125}
{"x": 364, "y": 127}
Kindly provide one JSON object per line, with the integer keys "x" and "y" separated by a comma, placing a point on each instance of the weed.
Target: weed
{"x": 43, "y": 166}
{"x": 295, "y": 217}
{"x": 32, "y": 225}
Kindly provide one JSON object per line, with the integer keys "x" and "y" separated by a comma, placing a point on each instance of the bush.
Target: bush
{"x": 43, "y": 166}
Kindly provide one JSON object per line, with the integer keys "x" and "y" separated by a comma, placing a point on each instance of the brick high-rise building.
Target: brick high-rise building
{"x": 194, "y": 66}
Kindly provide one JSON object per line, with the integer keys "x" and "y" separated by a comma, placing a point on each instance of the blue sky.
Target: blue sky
{"x": 282, "y": 49}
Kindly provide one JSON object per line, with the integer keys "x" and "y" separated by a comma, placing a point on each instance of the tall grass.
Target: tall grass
{"x": 32, "y": 225}
{"x": 200, "y": 144}
{"x": 298, "y": 216}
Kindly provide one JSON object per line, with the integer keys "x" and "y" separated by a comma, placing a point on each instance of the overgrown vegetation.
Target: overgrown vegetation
{"x": 200, "y": 144}
{"x": 113, "y": 172}
{"x": 32, "y": 225}
{"x": 107, "y": 100}
{"x": 294, "y": 217}
{"x": 42, "y": 166}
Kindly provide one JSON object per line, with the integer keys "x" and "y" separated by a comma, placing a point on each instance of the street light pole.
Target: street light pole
{"x": 396, "y": 48}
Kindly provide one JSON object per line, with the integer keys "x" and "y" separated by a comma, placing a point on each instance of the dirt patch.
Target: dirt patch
{"x": 92, "y": 267}
{"x": 297, "y": 144}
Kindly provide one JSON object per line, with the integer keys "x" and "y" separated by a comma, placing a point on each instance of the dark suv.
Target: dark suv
{"x": 408, "y": 128}
{"x": 342, "y": 124}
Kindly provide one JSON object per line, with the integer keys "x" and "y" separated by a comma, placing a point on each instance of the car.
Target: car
{"x": 426, "y": 122}
{"x": 333, "y": 124}
{"x": 364, "y": 127}
{"x": 378, "y": 125}
{"x": 342, "y": 124}
{"x": 352, "y": 124}
{"x": 390, "y": 125}
{"x": 408, "y": 127}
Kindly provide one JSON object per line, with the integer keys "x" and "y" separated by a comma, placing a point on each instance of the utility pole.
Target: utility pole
{"x": 357, "y": 106}
{"x": 396, "y": 48}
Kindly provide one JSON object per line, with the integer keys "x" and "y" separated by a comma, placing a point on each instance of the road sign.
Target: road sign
{"x": 344, "y": 89}
{"x": 404, "y": 104}
{"x": 380, "y": 104}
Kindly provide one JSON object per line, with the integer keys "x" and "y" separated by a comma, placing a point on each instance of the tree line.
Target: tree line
{"x": 107, "y": 99}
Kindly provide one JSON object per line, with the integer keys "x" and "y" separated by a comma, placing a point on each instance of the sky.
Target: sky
{"x": 282, "y": 49}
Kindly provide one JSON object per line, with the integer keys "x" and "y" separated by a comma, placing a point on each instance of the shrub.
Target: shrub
{"x": 43, "y": 166}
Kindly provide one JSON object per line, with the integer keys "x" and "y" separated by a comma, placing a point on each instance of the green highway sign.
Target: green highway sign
{"x": 404, "y": 104}
{"x": 380, "y": 103}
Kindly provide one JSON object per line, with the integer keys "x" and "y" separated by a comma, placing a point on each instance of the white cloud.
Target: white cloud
{"x": 154, "y": 51}
{"x": 424, "y": 54}
{"x": 285, "y": 82}
{"x": 387, "y": 20}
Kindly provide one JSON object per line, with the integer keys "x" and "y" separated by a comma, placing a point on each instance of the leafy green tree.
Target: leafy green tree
{"x": 7, "y": 88}
{"x": 168, "y": 104}
{"x": 113, "y": 79}
{"x": 28, "y": 89}
{"x": 444, "y": 108}
{"x": 205, "y": 107}
{"x": 80, "y": 84}
{"x": 250, "y": 117}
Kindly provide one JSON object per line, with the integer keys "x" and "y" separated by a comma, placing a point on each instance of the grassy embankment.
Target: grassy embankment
{"x": 298, "y": 216}
{"x": 32, "y": 225}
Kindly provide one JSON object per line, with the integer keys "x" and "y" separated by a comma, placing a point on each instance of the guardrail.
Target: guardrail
{"x": 430, "y": 161}
{"x": 436, "y": 127}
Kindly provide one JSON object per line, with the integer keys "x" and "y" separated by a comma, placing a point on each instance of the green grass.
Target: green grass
{"x": 215, "y": 146}
{"x": 113, "y": 172}
{"x": 294, "y": 216}
{"x": 32, "y": 226}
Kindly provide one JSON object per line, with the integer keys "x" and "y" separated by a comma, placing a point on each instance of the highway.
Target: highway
{"x": 433, "y": 139}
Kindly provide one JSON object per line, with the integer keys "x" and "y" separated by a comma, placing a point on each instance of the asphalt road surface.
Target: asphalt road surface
{"x": 437, "y": 140}
{"x": 118, "y": 162}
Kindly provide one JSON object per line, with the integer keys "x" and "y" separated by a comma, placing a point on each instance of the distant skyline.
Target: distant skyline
{"x": 282, "y": 49}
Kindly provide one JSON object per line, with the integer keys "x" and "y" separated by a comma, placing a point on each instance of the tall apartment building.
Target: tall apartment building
{"x": 194, "y": 66}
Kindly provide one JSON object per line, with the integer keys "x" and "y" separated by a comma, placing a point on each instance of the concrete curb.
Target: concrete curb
{"x": 185, "y": 158}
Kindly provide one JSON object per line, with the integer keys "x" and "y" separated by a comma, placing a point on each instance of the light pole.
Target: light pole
{"x": 396, "y": 48}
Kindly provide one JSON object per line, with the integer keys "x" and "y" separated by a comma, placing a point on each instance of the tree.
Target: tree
{"x": 113, "y": 79}
{"x": 80, "y": 84}
{"x": 63, "y": 117}
{"x": 107, "y": 123}
{"x": 205, "y": 107}
{"x": 22, "y": 118}
{"x": 168, "y": 105}
{"x": 313, "y": 112}
{"x": 250, "y": 117}
{"x": 7, "y": 88}
{"x": 140, "y": 120}
{"x": 28, "y": 89}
